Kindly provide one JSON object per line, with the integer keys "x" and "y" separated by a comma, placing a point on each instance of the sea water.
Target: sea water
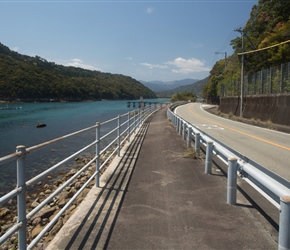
{"x": 18, "y": 127}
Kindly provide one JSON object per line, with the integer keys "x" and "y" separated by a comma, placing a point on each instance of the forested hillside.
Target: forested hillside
{"x": 35, "y": 79}
{"x": 268, "y": 25}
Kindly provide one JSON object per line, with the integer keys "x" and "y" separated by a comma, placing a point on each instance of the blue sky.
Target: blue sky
{"x": 147, "y": 40}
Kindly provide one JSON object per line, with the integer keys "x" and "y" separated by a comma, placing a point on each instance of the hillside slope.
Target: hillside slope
{"x": 35, "y": 79}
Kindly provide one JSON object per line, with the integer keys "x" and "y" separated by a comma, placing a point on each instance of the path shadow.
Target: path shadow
{"x": 97, "y": 225}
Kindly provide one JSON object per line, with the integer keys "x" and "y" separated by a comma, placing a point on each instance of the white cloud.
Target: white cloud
{"x": 181, "y": 66}
{"x": 149, "y": 10}
{"x": 79, "y": 63}
{"x": 186, "y": 66}
{"x": 129, "y": 58}
{"x": 153, "y": 66}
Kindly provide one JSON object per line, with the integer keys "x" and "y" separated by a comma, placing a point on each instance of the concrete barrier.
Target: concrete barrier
{"x": 229, "y": 104}
{"x": 274, "y": 108}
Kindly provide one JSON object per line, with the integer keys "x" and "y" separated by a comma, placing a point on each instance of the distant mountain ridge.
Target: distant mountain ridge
{"x": 195, "y": 88}
{"x": 158, "y": 86}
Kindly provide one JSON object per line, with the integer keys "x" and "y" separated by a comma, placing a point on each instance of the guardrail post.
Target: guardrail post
{"x": 129, "y": 132}
{"x": 98, "y": 136}
{"x": 180, "y": 127}
{"x": 177, "y": 123}
{"x": 284, "y": 223}
{"x": 232, "y": 181}
{"x": 118, "y": 134}
{"x": 21, "y": 197}
{"x": 189, "y": 131}
{"x": 208, "y": 157}
{"x": 183, "y": 131}
{"x": 197, "y": 143}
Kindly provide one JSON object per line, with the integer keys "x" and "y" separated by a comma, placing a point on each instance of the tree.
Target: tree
{"x": 184, "y": 96}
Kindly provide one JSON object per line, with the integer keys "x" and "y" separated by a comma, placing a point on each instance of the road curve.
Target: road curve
{"x": 269, "y": 148}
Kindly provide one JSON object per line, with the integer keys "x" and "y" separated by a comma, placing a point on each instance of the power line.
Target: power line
{"x": 272, "y": 46}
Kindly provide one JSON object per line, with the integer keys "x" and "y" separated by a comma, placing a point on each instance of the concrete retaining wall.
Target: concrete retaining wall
{"x": 275, "y": 108}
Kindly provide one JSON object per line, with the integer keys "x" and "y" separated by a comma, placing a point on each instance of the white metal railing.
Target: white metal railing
{"x": 272, "y": 186}
{"x": 125, "y": 125}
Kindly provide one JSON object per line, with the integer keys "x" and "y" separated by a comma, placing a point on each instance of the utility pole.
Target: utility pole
{"x": 225, "y": 53}
{"x": 242, "y": 71}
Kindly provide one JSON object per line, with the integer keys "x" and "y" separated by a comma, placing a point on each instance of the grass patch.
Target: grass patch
{"x": 230, "y": 115}
{"x": 255, "y": 121}
{"x": 190, "y": 153}
{"x": 269, "y": 124}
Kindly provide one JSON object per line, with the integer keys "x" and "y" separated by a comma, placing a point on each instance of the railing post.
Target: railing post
{"x": 98, "y": 136}
{"x": 129, "y": 132}
{"x": 189, "y": 131}
{"x": 197, "y": 143}
{"x": 141, "y": 118}
{"x": 183, "y": 131}
{"x": 208, "y": 157}
{"x": 138, "y": 117}
{"x": 118, "y": 134}
{"x": 180, "y": 126}
{"x": 232, "y": 181}
{"x": 177, "y": 123}
{"x": 21, "y": 198}
{"x": 134, "y": 122}
{"x": 284, "y": 223}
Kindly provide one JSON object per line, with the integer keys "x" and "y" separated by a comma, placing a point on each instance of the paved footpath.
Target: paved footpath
{"x": 157, "y": 197}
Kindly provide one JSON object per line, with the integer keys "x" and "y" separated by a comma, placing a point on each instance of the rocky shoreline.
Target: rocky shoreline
{"x": 40, "y": 191}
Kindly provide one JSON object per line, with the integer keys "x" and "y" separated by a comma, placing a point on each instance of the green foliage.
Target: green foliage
{"x": 34, "y": 79}
{"x": 269, "y": 24}
{"x": 185, "y": 96}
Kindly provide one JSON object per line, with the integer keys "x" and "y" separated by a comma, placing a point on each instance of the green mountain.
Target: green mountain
{"x": 28, "y": 78}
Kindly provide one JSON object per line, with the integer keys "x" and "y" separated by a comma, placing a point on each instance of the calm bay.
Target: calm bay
{"x": 18, "y": 127}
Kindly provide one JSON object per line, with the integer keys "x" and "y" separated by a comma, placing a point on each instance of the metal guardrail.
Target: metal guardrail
{"x": 125, "y": 125}
{"x": 272, "y": 186}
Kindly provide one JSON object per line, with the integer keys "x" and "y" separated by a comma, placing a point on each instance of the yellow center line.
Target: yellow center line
{"x": 238, "y": 131}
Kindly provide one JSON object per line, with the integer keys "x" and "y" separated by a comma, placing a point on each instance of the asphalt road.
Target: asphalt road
{"x": 269, "y": 148}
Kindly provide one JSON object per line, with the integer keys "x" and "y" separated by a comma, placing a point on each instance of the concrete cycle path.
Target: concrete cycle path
{"x": 156, "y": 196}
